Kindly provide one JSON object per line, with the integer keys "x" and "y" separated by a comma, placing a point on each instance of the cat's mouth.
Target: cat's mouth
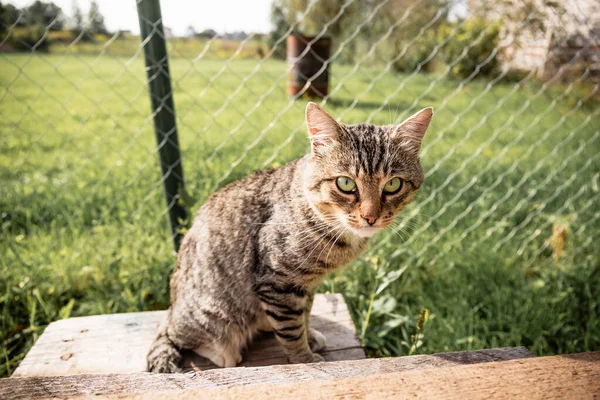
{"x": 365, "y": 232}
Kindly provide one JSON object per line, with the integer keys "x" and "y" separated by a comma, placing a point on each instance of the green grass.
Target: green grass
{"x": 84, "y": 229}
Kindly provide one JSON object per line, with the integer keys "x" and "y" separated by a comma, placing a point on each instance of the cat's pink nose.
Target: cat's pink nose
{"x": 370, "y": 220}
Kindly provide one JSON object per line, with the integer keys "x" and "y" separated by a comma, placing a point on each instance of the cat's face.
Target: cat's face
{"x": 361, "y": 176}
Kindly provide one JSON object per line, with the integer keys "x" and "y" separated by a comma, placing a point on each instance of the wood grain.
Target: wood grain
{"x": 558, "y": 377}
{"x": 118, "y": 343}
{"x": 109, "y": 384}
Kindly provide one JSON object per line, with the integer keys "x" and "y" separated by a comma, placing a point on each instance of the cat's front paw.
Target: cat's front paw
{"x": 316, "y": 340}
{"x": 305, "y": 358}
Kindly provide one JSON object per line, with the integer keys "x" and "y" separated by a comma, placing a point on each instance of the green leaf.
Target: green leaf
{"x": 384, "y": 305}
{"x": 389, "y": 278}
{"x": 65, "y": 311}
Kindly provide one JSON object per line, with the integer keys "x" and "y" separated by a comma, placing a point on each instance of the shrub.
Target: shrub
{"x": 472, "y": 48}
{"x": 418, "y": 55}
{"x": 24, "y": 39}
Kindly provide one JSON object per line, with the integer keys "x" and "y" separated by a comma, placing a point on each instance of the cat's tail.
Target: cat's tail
{"x": 164, "y": 357}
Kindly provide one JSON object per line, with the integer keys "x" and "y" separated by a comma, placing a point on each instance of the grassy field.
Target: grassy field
{"x": 127, "y": 45}
{"x": 501, "y": 244}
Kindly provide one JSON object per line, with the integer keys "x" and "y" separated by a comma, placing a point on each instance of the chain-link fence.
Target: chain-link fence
{"x": 500, "y": 244}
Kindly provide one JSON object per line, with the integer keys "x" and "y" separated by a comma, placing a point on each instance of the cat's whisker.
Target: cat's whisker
{"x": 416, "y": 224}
{"x": 333, "y": 245}
{"x": 316, "y": 246}
{"x": 409, "y": 222}
{"x": 318, "y": 227}
{"x": 395, "y": 228}
{"x": 310, "y": 243}
{"x": 321, "y": 218}
{"x": 324, "y": 247}
{"x": 403, "y": 225}
{"x": 398, "y": 232}
{"x": 333, "y": 238}
{"x": 419, "y": 213}
{"x": 312, "y": 228}
{"x": 399, "y": 225}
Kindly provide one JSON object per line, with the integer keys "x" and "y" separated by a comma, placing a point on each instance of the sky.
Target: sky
{"x": 220, "y": 15}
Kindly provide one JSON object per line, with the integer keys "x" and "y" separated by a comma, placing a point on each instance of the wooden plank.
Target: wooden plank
{"x": 118, "y": 343}
{"x": 108, "y": 384}
{"x": 557, "y": 377}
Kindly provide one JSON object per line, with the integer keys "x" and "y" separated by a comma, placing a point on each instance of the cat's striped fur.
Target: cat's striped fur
{"x": 259, "y": 247}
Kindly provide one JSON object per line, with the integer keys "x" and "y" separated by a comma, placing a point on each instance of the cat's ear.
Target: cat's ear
{"x": 323, "y": 129}
{"x": 412, "y": 130}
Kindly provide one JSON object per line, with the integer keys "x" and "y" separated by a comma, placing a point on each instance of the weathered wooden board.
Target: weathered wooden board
{"x": 109, "y": 384}
{"x": 118, "y": 343}
{"x": 558, "y": 377}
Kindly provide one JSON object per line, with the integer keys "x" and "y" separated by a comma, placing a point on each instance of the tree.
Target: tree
{"x": 479, "y": 38}
{"x": 96, "y": 19}
{"x": 190, "y": 31}
{"x": 9, "y": 15}
{"x": 3, "y": 25}
{"x": 525, "y": 20}
{"x": 332, "y": 16}
{"x": 280, "y": 27}
{"x": 77, "y": 18}
{"x": 358, "y": 24}
{"x": 207, "y": 34}
{"x": 410, "y": 26}
{"x": 44, "y": 15}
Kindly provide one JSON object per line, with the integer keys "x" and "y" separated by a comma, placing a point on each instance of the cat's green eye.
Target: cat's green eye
{"x": 345, "y": 184}
{"x": 393, "y": 186}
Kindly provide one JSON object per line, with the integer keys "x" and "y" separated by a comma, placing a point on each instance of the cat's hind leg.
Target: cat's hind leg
{"x": 316, "y": 340}
{"x": 164, "y": 356}
{"x": 221, "y": 357}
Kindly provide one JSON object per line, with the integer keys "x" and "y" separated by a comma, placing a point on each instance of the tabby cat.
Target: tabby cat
{"x": 260, "y": 246}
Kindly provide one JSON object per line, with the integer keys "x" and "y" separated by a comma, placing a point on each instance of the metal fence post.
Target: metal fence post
{"x": 159, "y": 82}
